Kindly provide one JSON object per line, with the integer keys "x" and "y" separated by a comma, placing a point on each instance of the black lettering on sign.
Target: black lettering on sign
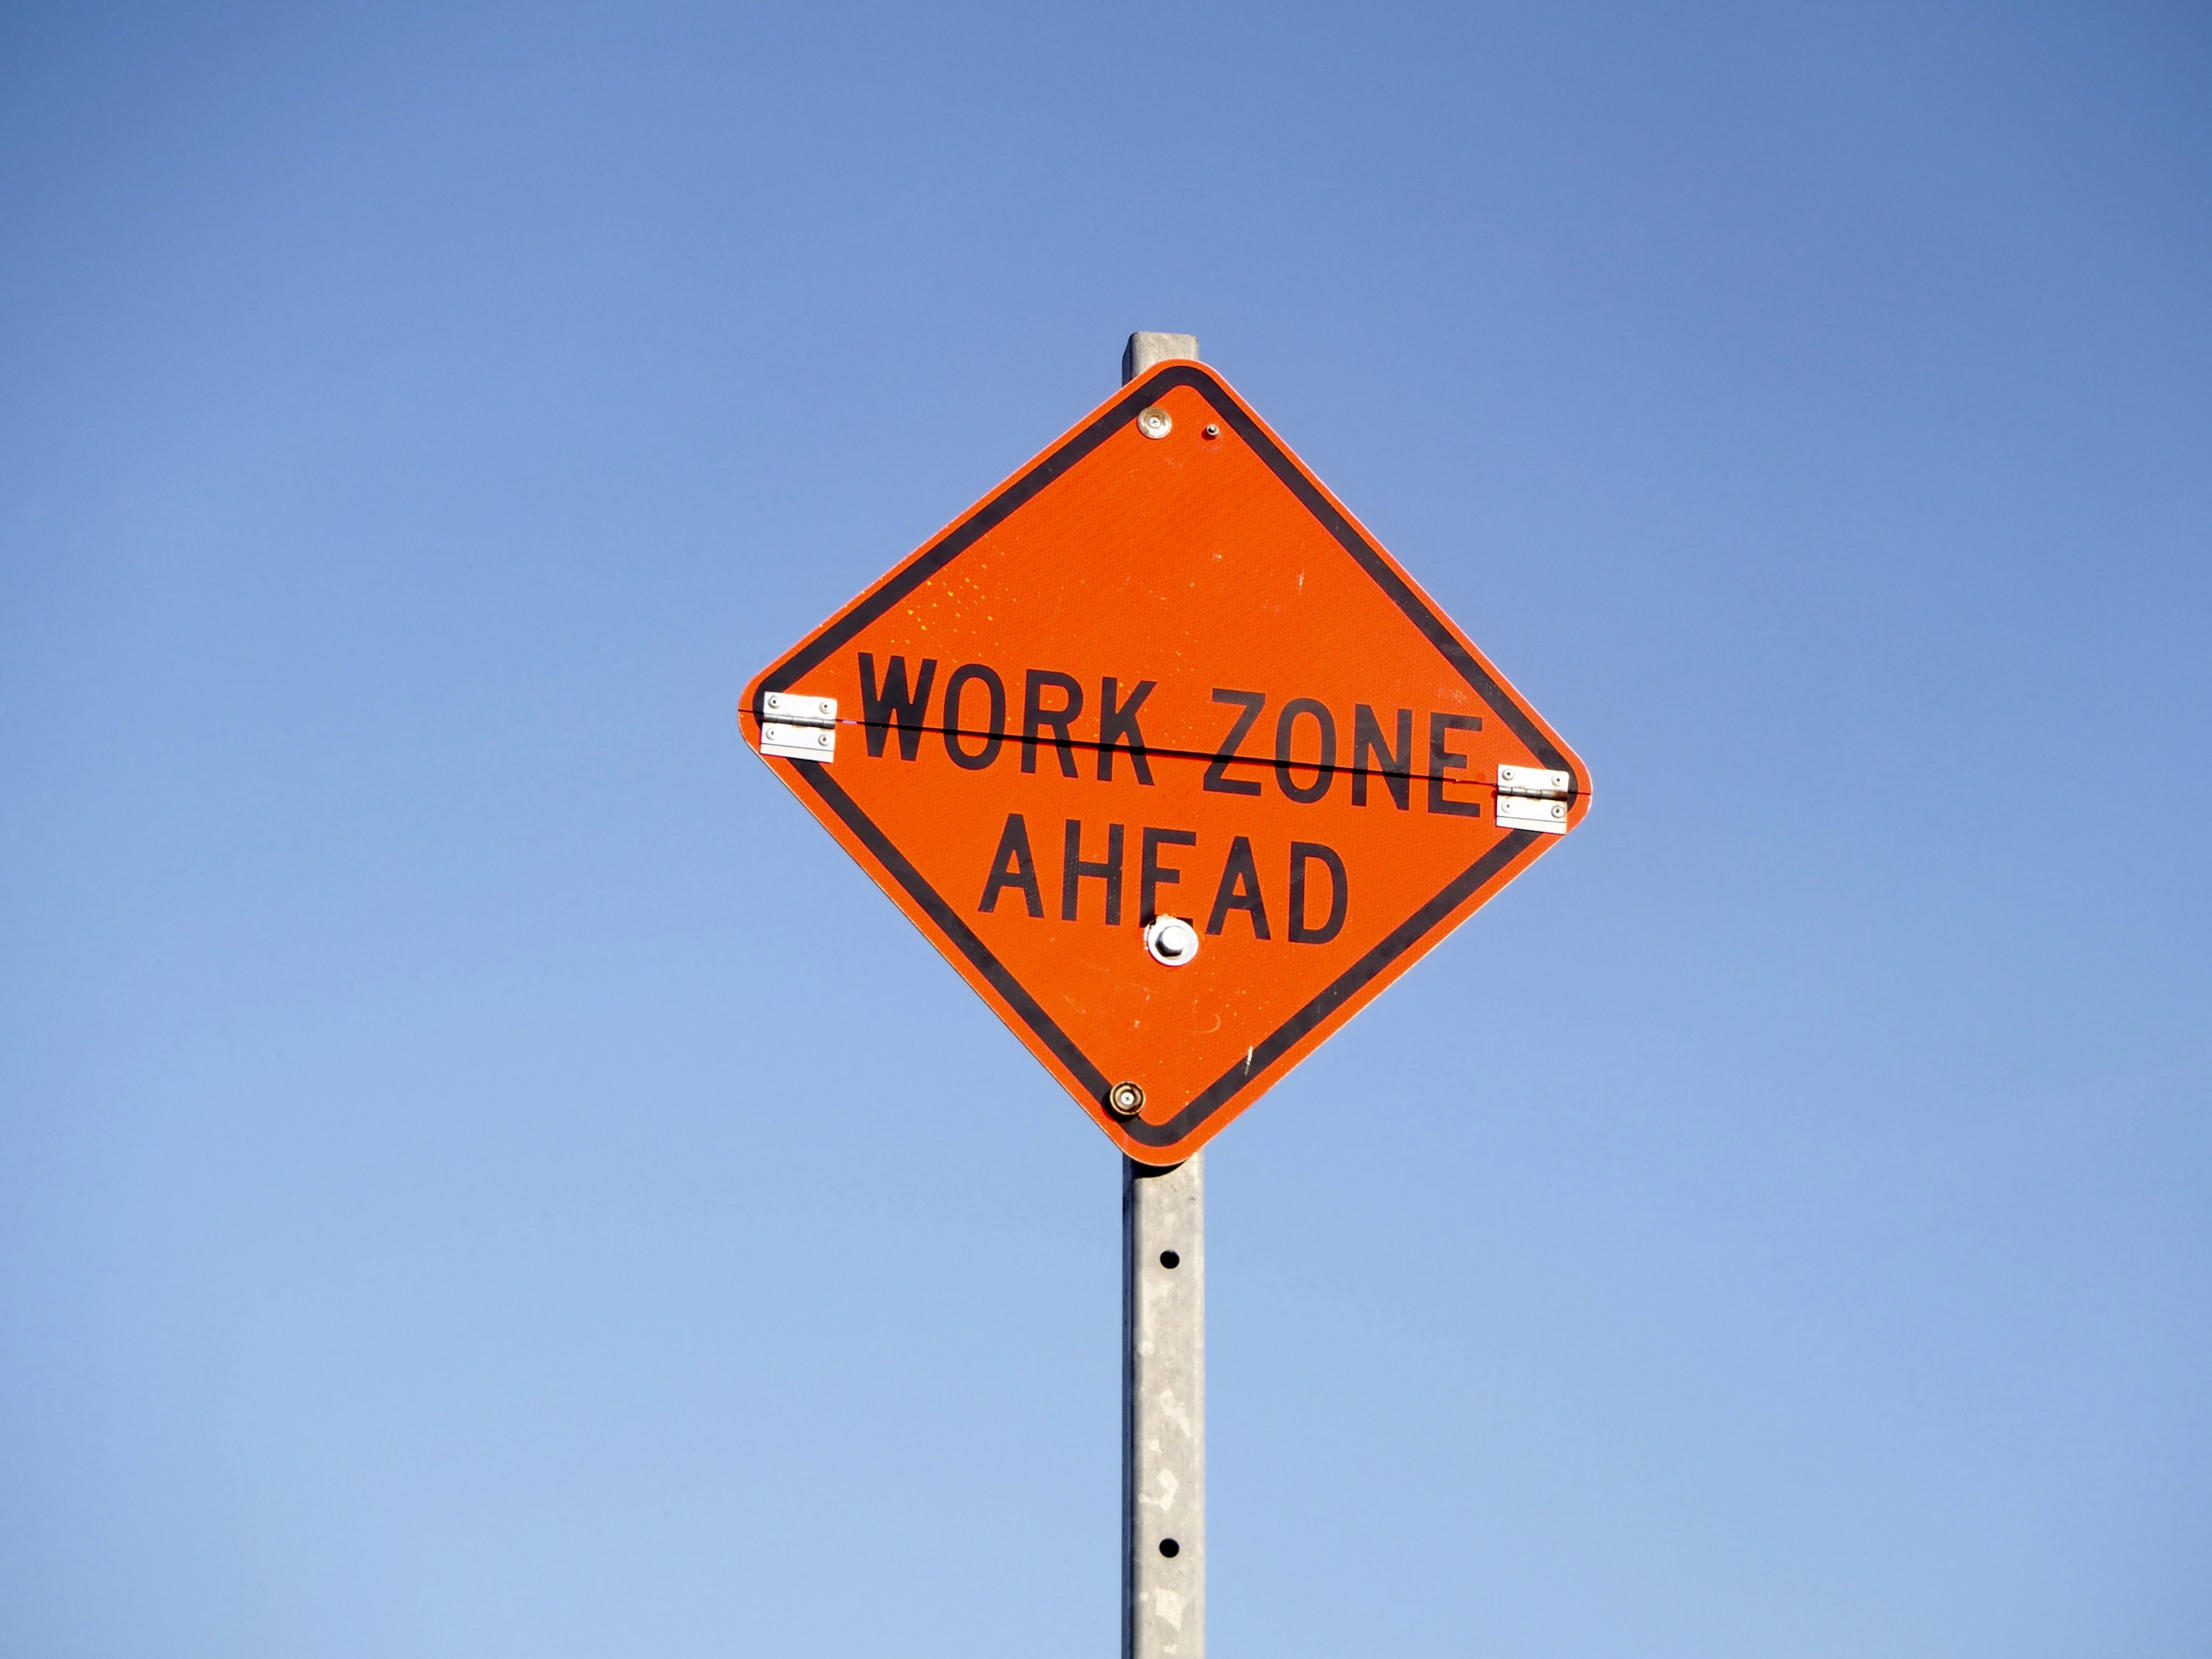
{"x": 1119, "y": 725}
{"x": 963, "y": 677}
{"x": 893, "y": 706}
{"x": 1396, "y": 765}
{"x": 1239, "y": 889}
{"x": 1013, "y": 865}
{"x": 1440, "y": 757}
{"x": 1072, "y": 869}
{"x": 1156, "y": 875}
{"x": 1303, "y": 853}
{"x": 1216, "y": 778}
{"x": 1285, "y": 724}
{"x": 1036, "y": 716}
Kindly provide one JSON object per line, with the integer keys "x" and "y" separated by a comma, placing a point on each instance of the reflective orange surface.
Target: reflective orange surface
{"x": 1166, "y": 676}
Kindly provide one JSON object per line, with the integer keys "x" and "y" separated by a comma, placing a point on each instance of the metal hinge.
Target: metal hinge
{"x": 1531, "y": 797}
{"x": 798, "y": 727}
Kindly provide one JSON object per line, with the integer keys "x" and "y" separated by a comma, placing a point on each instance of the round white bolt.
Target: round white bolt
{"x": 1171, "y": 941}
{"x": 1155, "y": 422}
{"x": 1126, "y": 1099}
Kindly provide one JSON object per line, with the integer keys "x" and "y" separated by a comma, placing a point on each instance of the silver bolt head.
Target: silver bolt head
{"x": 1126, "y": 1099}
{"x": 1155, "y": 421}
{"x": 1171, "y": 941}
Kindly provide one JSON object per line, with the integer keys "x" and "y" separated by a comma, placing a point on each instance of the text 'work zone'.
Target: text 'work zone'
{"x": 1060, "y": 725}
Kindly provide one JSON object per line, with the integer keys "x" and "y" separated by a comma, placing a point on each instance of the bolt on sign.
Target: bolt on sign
{"x": 1168, "y": 756}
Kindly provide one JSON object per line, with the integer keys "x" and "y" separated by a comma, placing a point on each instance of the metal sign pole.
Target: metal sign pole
{"x": 1163, "y": 1354}
{"x": 1164, "y": 1410}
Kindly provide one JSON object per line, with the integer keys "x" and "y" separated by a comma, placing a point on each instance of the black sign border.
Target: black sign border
{"x": 1019, "y": 493}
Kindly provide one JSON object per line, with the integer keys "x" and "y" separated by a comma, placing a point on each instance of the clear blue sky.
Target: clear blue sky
{"x": 481, "y": 1174}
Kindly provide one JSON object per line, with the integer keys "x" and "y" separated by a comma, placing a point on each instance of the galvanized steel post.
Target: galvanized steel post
{"x": 1163, "y": 1354}
{"x": 1163, "y": 1410}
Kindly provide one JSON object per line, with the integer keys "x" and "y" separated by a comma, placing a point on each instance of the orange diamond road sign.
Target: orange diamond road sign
{"x": 1170, "y": 759}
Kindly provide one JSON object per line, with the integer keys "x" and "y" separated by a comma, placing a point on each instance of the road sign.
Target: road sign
{"x": 1168, "y": 756}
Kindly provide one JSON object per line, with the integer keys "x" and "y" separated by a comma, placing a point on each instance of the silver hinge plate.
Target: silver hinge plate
{"x": 798, "y": 726}
{"x": 1529, "y": 799}
{"x": 1532, "y": 812}
{"x": 797, "y": 709}
{"x": 1531, "y": 780}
